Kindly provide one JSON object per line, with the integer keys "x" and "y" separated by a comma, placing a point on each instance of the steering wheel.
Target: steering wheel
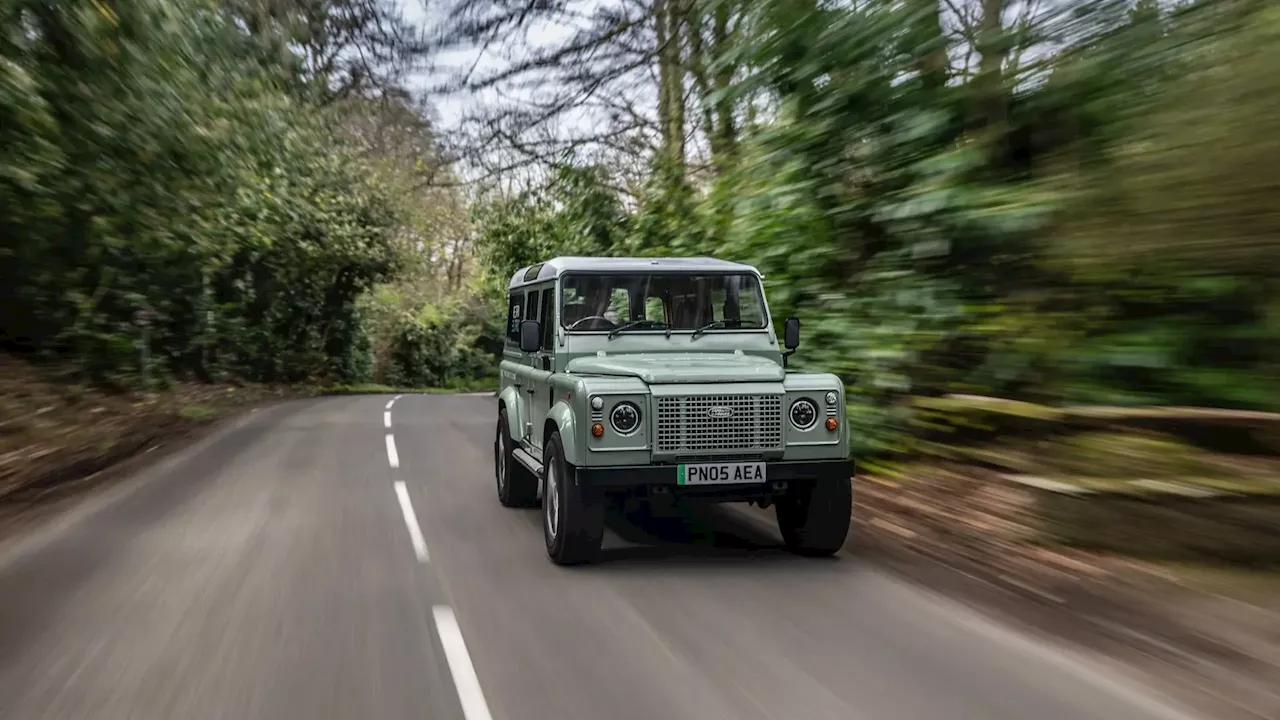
{"x": 575, "y": 325}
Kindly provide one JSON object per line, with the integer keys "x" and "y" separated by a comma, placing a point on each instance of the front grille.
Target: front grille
{"x": 686, "y": 424}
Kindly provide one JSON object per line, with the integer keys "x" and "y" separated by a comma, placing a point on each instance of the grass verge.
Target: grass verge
{"x": 377, "y": 389}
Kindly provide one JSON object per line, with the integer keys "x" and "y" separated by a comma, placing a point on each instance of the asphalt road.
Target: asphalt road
{"x": 278, "y": 570}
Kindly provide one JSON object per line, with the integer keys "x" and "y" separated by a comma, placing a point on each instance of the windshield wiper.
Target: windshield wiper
{"x": 656, "y": 324}
{"x": 715, "y": 325}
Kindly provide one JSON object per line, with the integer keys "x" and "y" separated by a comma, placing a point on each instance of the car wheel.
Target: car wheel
{"x": 517, "y": 487}
{"x": 572, "y": 516}
{"x": 814, "y": 516}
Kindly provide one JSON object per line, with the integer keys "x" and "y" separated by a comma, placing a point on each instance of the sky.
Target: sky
{"x": 451, "y": 108}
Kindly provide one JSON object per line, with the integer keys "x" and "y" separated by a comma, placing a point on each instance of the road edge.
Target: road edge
{"x": 27, "y": 527}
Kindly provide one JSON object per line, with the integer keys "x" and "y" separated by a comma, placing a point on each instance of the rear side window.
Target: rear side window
{"x": 530, "y": 306}
{"x": 544, "y": 316}
{"x": 515, "y": 308}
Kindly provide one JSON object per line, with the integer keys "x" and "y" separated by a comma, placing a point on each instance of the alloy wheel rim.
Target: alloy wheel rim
{"x": 552, "y": 501}
{"x": 502, "y": 462}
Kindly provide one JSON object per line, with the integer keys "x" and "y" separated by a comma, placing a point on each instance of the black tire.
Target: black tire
{"x": 578, "y": 512}
{"x": 814, "y": 516}
{"x": 517, "y": 487}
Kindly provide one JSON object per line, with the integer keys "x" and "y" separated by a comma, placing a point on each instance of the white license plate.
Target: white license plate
{"x": 720, "y": 473}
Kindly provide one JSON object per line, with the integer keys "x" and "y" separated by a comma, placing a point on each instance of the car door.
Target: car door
{"x": 511, "y": 368}
{"x": 540, "y": 395}
{"x": 522, "y": 367}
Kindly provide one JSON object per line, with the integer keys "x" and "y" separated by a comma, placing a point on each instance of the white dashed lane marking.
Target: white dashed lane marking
{"x": 465, "y": 680}
{"x": 411, "y": 522}
{"x": 392, "y": 457}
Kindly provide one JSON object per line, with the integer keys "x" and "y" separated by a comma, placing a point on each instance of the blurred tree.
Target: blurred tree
{"x": 575, "y": 214}
{"x": 152, "y": 164}
{"x": 1062, "y": 202}
{"x": 342, "y": 48}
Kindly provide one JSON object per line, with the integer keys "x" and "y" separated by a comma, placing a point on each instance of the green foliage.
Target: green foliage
{"x": 1076, "y": 207}
{"x": 875, "y": 214}
{"x": 198, "y": 413}
{"x": 667, "y": 222}
{"x": 438, "y": 346}
{"x": 455, "y": 341}
{"x": 575, "y": 214}
{"x": 154, "y": 159}
{"x": 1175, "y": 256}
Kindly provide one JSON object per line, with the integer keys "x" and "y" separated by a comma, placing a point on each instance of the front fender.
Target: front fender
{"x": 509, "y": 398}
{"x": 562, "y": 415}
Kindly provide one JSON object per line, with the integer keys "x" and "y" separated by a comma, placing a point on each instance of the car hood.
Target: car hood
{"x": 681, "y": 367}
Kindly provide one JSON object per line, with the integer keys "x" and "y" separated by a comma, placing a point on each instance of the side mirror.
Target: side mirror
{"x": 530, "y": 336}
{"x": 791, "y": 334}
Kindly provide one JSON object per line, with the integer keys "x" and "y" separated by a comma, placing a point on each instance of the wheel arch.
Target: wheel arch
{"x": 560, "y": 419}
{"x": 515, "y": 421}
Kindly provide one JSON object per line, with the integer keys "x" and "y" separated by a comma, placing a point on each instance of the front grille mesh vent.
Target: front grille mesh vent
{"x": 707, "y": 424}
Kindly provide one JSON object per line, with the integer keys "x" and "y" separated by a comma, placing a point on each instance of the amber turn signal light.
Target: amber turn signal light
{"x": 832, "y": 424}
{"x": 597, "y": 430}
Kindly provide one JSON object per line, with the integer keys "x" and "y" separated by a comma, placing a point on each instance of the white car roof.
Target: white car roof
{"x": 558, "y": 266}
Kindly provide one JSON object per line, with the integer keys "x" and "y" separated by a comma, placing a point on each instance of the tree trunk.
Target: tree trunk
{"x": 726, "y": 136}
{"x": 993, "y": 51}
{"x": 702, "y": 83}
{"x": 664, "y": 72}
{"x": 717, "y": 107}
{"x": 928, "y": 42}
{"x": 675, "y": 90}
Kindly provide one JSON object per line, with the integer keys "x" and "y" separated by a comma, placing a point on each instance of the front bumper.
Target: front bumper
{"x": 626, "y": 476}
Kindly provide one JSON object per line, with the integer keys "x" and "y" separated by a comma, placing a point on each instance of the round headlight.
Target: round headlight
{"x": 625, "y": 418}
{"x": 832, "y": 397}
{"x": 803, "y": 414}
{"x": 597, "y": 403}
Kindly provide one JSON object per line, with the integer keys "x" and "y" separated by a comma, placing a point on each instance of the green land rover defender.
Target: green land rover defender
{"x": 642, "y": 377}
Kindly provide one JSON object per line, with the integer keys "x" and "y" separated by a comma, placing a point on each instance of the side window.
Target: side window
{"x": 544, "y": 316}
{"x": 531, "y": 305}
{"x": 515, "y": 307}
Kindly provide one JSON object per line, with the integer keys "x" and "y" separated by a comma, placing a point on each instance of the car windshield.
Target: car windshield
{"x": 683, "y": 302}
